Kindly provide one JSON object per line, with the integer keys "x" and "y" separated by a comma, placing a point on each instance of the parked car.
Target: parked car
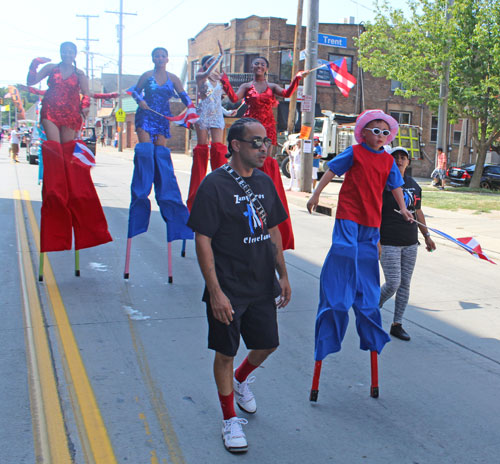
{"x": 90, "y": 139}
{"x": 461, "y": 176}
{"x": 32, "y": 151}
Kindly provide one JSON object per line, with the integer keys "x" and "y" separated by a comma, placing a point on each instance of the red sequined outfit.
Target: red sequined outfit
{"x": 61, "y": 103}
{"x": 260, "y": 107}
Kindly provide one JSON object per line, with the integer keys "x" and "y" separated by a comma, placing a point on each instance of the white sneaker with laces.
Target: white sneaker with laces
{"x": 244, "y": 397}
{"x": 233, "y": 436}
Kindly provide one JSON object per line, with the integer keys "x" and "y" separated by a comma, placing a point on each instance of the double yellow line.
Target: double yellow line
{"x": 51, "y": 440}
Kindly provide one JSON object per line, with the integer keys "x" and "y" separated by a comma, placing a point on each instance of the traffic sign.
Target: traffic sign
{"x": 332, "y": 41}
{"x": 120, "y": 115}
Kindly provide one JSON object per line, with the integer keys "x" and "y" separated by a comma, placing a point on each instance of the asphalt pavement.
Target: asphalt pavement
{"x": 142, "y": 345}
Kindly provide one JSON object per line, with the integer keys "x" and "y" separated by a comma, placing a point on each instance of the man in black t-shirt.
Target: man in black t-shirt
{"x": 239, "y": 250}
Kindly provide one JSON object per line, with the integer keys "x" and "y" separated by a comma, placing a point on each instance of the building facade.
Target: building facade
{"x": 245, "y": 39}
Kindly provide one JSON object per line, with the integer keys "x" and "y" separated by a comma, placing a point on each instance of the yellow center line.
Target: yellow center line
{"x": 95, "y": 429}
{"x": 51, "y": 443}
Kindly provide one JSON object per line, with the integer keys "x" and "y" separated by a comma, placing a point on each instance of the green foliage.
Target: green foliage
{"x": 414, "y": 51}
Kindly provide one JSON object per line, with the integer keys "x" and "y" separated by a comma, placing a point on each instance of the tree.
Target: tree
{"x": 414, "y": 50}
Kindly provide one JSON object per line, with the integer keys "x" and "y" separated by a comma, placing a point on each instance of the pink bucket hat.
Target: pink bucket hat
{"x": 371, "y": 115}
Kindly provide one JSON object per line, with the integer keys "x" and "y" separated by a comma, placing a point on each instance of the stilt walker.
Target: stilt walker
{"x": 210, "y": 125}
{"x": 350, "y": 273}
{"x": 69, "y": 201}
{"x": 152, "y": 160}
{"x": 260, "y": 98}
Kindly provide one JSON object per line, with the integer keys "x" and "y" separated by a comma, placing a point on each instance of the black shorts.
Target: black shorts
{"x": 256, "y": 322}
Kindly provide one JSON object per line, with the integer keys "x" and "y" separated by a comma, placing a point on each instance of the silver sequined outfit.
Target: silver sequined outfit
{"x": 210, "y": 109}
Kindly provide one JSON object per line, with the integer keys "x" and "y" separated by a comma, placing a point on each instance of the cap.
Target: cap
{"x": 403, "y": 149}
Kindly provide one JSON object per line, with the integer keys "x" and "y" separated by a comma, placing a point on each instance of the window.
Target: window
{"x": 434, "y": 129}
{"x": 396, "y": 85}
{"x": 286, "y": 63}
{"x": 226, "y": 62}
{"x": 248, "y": 62}
{"x": 333, "y": 57}
{"x": 456, "y": 137}
{"x": 408, "y": 137}
{"x": 402, "y": 117}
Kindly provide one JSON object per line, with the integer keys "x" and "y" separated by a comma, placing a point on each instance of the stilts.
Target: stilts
{"x": 40, "y": 267}
{"x": 77, "y": 263}
{"x": 374, "y": 368}
{"x": 170, "y": 274}
{"x": 374, "y": 389}
{"x": 313, "y": 396}
{"x": 127, "y": 259}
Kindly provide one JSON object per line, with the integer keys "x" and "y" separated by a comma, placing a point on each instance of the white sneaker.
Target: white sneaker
{"x": 233, "y": 436}
{"x": 244, "y": 397}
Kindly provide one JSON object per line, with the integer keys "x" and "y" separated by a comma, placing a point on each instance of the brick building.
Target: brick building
{"x": 245, "y": 39}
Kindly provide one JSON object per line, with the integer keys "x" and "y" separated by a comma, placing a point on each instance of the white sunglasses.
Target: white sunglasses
{"x": 377, "y": 131}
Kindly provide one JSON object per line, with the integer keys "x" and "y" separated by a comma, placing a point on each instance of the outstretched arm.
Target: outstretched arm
{"x": 399, "y": 197}
{"x": 429, "y": 243}
{"x": 228, "y": 89}
{"x": 35, "y": 76}
{"x": 314, "y": 200}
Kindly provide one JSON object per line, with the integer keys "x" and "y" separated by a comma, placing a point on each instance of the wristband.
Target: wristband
{"x": 427, "y": 234}
{"x": 185, "y": 98}
{"x": 228, "y": 89}
{"x": 135, "y": 95}
{"x": 293, "y": 87}
{"x": 106, "y": 96}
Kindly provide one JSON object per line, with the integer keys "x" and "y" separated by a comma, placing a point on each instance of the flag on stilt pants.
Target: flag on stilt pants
{"x": 89, "y": 222}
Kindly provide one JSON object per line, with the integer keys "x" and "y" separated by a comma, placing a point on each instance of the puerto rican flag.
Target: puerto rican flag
{"x": 186, "y": 118}
{"x": 83, "y": 155}
{"x": 469, "y": 244}
{"x": 345, "y": 81}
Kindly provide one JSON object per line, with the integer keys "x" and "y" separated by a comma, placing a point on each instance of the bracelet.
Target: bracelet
{"x": 427, "y": 234}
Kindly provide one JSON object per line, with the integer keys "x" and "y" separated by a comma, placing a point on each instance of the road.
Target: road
{"x": 96, "y": 369}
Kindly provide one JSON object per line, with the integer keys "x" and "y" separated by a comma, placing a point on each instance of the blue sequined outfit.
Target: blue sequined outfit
{"x": 157, "y": 97}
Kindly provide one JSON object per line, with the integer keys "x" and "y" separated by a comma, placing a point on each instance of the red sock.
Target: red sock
{"x": 244, "y": 370}
{"x": 227, "y": 405}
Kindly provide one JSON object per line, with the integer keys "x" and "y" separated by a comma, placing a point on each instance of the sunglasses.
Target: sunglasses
{"x": 257, "y": 142}
{"x": 377, "y": 131}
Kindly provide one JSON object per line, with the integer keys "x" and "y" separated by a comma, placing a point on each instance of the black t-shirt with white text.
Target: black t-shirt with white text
{"x": 244, "y": 255}
{"x": 395, "y": 230}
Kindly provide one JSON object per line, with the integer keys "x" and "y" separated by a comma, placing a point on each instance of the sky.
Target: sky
{"x": 38, "y": 27}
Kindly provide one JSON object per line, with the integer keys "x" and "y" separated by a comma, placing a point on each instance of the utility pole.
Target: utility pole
{"x": 87, "y": 39}
{"x": 120, "y": 62}
{"x": 295, "y": 66}
{"x": 443, "y": 96}
{"x": 309, "y": 102}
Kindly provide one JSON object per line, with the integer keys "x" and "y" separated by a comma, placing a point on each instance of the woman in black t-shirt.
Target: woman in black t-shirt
{"x": 399, "y": 242}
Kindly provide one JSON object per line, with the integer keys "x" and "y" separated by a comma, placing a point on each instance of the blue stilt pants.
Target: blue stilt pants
{"x": 350, "y": 278}
{"x": 153, "y": 165}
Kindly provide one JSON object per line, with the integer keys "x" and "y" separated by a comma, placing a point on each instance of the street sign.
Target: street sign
{"x": 120, "y": 115}
{"x": 307, "y": 104}
{"x": 332, "y": 41}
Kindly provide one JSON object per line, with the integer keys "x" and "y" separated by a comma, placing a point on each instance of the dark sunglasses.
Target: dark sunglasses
{"x": 257, "y": 142}
{"x": 377, "y": 131}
